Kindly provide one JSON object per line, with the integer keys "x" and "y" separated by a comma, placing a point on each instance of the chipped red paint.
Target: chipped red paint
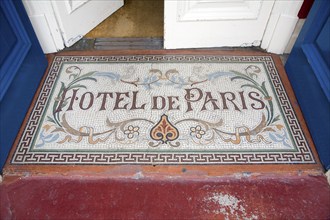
{"x": 236, "y": 197}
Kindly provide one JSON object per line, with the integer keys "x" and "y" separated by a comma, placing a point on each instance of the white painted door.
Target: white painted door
{"x": 226, "y": 23}
{"x": 77, "y": 18}
{"x": 60, "y": 23}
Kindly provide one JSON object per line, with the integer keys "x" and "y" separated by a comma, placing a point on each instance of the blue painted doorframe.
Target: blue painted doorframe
{"x": 308, "y": 68}
{"x": 22, "y": 64}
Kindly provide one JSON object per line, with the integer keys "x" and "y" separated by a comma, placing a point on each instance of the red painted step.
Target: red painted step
{"x": 139, "y": 197}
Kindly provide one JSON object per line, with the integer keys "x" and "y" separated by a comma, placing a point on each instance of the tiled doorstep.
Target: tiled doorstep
{"x": 142, "y": 43}
{"x": 131, "y": 192}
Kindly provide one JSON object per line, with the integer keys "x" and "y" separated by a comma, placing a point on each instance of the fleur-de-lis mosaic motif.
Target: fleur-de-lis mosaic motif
{"x": 164, "y": 131}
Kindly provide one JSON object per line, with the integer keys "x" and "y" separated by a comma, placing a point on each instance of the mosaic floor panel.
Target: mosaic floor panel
{"x": 162, "y": 109}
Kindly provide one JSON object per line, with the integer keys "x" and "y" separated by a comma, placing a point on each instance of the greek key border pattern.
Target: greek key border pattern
{"x": 22, "y": 154}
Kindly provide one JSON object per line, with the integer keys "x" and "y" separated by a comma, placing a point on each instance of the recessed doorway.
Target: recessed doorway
{"x": 136, "y": 19}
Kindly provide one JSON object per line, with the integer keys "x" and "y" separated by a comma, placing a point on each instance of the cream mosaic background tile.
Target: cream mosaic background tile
{"x": 240, "y": 108}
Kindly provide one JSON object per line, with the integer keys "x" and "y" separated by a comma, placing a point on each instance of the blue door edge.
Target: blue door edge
{"x": 21, "y": 90}
{"x": 21, "y": 48}
{"x": 310, "y": 93}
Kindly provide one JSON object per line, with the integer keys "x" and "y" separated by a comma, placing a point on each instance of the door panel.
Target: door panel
{"x": 22, "y": 66}
{"x": 323, "y": 42}
{"x": 218, "y": 10}
{"x": 215, "y": 23}
{"x": 43, "y": 20}
{"x": 73, "y": 5}
{"x": 6, "y": 43}
{"x": 17, "y": 48}
{"x": 76, "y": 18}
{"x": 308, "y": 70}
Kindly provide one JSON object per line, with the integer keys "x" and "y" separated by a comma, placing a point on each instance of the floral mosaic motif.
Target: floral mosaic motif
{"x": 46, "y": 136}
{"x": 250, "y": 80}
{"x": 76, "y": 83}
{"x": 170, "y": 77}
{"x": 280, "y": 138}
{"x": 114, "y": 130}
{"x": 206, "y": 132}
{"x": 131, "y": 131}
{"x": 269, "y": 124}
{"x": 60, "y": 124}
{"x": 197, "y": 131}
{"x": 266, "y": 131}
{"x": 164, "y": 133}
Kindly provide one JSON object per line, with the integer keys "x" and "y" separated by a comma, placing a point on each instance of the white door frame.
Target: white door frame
{"x": 43, "y": 19}
{"x": 60, "y": 23}
{"x": 281, "y": 24}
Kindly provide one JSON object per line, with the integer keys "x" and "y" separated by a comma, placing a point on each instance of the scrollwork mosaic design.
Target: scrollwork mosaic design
{"x": 162, "y": 132}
